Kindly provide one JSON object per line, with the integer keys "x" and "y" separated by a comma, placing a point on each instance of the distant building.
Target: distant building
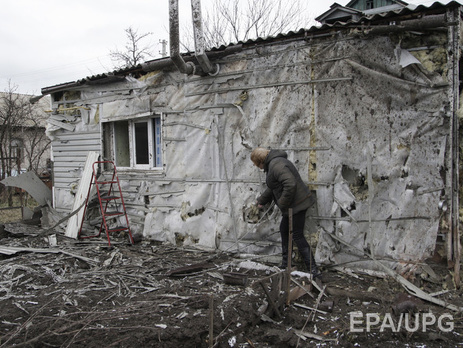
{"x": 356, "y": 9}
{"x": 385, "y": 5}
{"x": 25, "y": 146}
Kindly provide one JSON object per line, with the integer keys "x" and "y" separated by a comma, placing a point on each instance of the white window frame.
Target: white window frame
{"x": 152, "y": 125}
{"x": 151, "y": 154}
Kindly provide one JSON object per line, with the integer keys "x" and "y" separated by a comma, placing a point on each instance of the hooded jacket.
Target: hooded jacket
{"x": 284, "y": 184}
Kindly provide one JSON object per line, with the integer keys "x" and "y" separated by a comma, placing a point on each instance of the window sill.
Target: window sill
{"x": 152, "y": 171}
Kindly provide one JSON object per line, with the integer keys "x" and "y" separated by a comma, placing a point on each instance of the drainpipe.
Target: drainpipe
{"x": 200, "y": 53}
{"x": 186, "y": 68}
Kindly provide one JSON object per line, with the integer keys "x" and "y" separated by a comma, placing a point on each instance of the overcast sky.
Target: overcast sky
{"x": 49, "y": 42}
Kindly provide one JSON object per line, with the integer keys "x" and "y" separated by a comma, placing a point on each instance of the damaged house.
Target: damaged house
{"x": 367, "y": 108}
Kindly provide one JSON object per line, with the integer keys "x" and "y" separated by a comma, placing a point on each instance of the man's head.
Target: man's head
{"x": 258, "y": 156}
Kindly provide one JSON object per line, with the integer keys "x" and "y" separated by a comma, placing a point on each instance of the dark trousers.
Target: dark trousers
{"x": 299, "y": 239}
{"x": 298, "y": 231}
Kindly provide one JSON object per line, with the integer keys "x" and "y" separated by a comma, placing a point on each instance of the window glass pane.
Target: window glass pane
{"x": 121, "y": 143}
{"x": 141, "y": 143}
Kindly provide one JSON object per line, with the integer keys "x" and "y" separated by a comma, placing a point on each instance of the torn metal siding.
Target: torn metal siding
{"x": 391, "y": 133}
{"x": 77, "y": 133}
{"x": 369, "y": 132}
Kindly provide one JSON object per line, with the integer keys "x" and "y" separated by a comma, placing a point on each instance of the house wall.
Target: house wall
{"x": 368, "y": 131}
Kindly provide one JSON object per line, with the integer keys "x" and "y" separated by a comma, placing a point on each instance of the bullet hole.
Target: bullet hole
{"x": 197, "y": 212}
{"x": 352, "y": 176}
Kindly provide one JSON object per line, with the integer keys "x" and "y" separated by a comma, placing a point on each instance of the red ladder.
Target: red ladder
{"x": 111, "y": 202}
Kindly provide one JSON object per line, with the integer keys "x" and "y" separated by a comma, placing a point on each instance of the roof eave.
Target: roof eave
{"x": 216, "y": 53}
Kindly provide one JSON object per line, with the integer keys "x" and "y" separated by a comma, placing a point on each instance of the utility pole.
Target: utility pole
{"x": 163, "y": 51}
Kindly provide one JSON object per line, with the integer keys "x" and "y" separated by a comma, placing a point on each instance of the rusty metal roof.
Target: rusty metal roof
{"x": 366, "y": 20}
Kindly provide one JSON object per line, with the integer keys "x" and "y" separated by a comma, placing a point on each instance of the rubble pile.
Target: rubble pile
{"x": 85, "y": 294}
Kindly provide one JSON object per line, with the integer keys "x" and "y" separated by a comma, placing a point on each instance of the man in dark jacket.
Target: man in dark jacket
{"x": 286, "y": 188}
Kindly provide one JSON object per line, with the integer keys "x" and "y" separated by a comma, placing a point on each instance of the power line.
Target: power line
{"x": 84, "y": 63}
{"x": 34, "y": 80}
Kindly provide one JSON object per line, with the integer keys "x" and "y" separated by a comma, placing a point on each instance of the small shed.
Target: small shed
{"x": 367, "y": 109}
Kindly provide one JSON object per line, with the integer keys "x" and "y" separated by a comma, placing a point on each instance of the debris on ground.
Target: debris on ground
{"x": 72, "y": 293}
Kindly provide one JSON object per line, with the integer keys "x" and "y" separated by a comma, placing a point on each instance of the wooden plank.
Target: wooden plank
{"x": 72, "y": 228}
{"x": 298, "y": 292}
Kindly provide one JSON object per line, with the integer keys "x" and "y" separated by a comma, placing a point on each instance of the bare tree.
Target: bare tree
{"x": 23, "y": 142}
{"x": 229, "y": 21}
{"x": 12, "y": 110}
{"x": 135, "y": 52}
{"x": 36, "y": 144}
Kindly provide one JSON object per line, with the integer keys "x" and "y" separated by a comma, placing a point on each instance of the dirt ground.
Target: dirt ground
{"x": 84, "y": 294}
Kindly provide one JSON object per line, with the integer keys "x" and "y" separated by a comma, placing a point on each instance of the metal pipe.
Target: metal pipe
{"x": 186, "y": 68}
{"x": 200, "y": 53}
{"x": 167, "y": 63}
{"x": 290, "y": 255}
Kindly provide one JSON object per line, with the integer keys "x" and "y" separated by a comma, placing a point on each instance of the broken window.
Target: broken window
{"x": 121, "y": 144}
{"x": 134, "y": 143}
{"x": 369, "y": 4}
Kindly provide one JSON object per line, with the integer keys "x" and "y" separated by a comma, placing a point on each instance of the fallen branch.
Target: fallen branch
{"x": 270, "y": 300}
{"x": 211, "y": 323}
{"x": 88, "y": 320}
{"x": 222, "y": 333}
{"x": 320, "y": 295}
{"x": 26, "y": 323}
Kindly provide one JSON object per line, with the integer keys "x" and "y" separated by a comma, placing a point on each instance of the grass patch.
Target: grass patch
{"x": 9, "y": 214}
